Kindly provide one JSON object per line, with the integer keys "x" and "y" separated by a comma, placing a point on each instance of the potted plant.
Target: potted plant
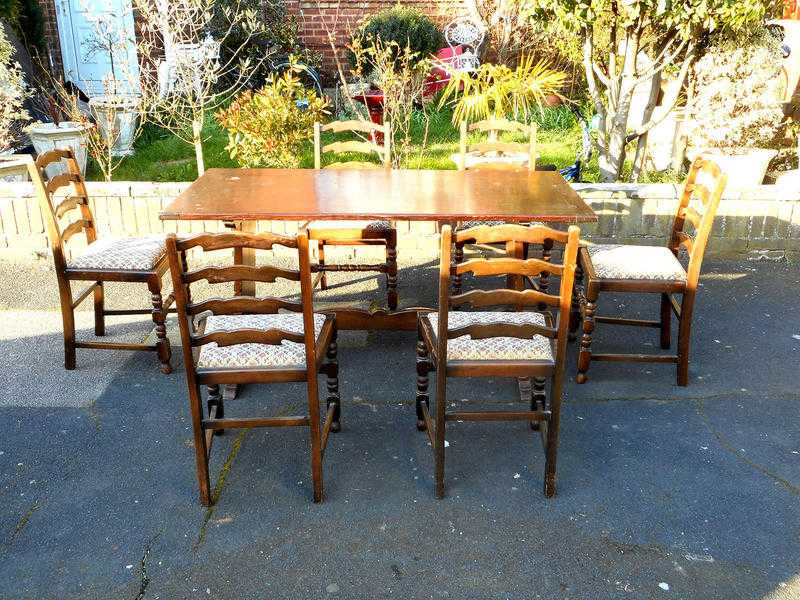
{"x": 116, "y": 111}
{"x": 59, "y": 134}
{"x": 736, "y": 111}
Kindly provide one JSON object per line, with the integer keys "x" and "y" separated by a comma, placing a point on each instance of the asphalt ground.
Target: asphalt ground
{"x": 664, "y": 492}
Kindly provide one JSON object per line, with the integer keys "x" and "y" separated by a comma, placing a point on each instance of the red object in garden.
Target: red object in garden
{"x": 439, "y": 75}
{"x": 791, "y": 9}
{"x": 374, "y": 103}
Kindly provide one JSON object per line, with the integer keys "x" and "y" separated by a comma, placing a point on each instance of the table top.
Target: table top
{"x": 402, "y": 194}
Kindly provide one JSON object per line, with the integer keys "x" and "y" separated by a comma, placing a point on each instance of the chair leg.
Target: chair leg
{"x": 159, "y": 318}
{"x": 200, "y": 448}
{"x": 538, "y": 399}
{"x": 438, "y": 437}
{"x": 585, "y": 354}
{"x": 323, "y": 278}
{"x": 575, "y": 307}
{"x": 391, "y": 270}
{"x": 315, "y": 436}
{"x": 458, "y": 256}
{"x": 332, "y": 372}
{"x": 68, "y": 319}
{"x": 685, "y": 338}
{"x": 423, "y": 368}
{"x": 666, "y": 322}
{"x": 99, "y": 310}
{"x": 551, "y": 451}
{"x": 215, "y": 399}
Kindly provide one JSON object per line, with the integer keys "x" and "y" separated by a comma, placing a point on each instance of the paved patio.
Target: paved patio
{"x": 664, "y": 492}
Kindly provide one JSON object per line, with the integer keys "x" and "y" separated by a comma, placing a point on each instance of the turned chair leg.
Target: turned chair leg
{"x": 323, "y": 278}
{"x": 159, "y": 318}
{"x": 99, "y": 310}
{"x": 666, "y": 322}
{"x": 684, "y": 338}
{"x": 538, "y": 399}
{"x": 458, "y": 256}
{"x": 391, "y": 270}
{"x": 544, "y": 276}
{"x": 575, "y": 307}
{"x": 332, "y": 381}
{"x": 215, "y": 400}
{"x": 423, "y": 368}
{"x": 585, "y": 354}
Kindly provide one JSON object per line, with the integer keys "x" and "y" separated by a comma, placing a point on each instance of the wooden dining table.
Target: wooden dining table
{"x": 243, "y": 197}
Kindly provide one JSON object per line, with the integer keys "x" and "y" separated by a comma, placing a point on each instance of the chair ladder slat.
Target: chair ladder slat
{"x": 507, "y": 266}
{"x": 242, "y": 305}
{"x": 533, "y": 234}
{"x": 264, "y": 274}
{"x": 272, "y": 337}
{"x": 484, "y": 298}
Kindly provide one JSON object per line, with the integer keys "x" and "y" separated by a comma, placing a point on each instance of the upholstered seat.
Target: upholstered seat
{"x": 498, "y": 348}
{"x": 374, "y": 226}
{"x": 122, "y": 254}
{"x": 612, "y": 261}
{"x": 474, "y": 160}
{"x": 244, "y": 356}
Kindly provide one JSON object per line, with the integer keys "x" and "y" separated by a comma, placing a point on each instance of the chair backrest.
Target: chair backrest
{"x": 705, "y": 184}
{"x": 57, "y": 208}
{"x": 493, "y": 127}
{"x": 379, "y": 142}
{"x": 183, "y": 278}
{"x": 516, "y": 234}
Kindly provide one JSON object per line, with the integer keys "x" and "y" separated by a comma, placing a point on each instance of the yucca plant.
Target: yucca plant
{"x": 497, "y": 91}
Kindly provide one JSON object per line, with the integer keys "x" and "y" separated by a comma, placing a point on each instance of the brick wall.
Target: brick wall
{"x": 51, "y": 34}
{"x": 340, "y": 17}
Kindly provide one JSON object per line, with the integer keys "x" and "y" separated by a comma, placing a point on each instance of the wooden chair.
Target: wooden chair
{"x": 498, "y": 344}
{"x": 497, "y": 155}
{"x": 653, "y": 270}
{"x": 356, "y": 233}
{"x": 253, "y": 340}
{"x": 130, "y": 260}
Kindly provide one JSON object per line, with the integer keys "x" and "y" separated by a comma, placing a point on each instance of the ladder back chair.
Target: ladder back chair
{"x": 356, "y": 233}
{"x": 518, "y": 344}
{"x": 653, "y": 270}
{"x": 64, "y": 204}
{"x": 498, "y": 155}
{"x": 245, "y": 339}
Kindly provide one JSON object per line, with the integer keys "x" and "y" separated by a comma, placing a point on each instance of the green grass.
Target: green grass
{"x": 161, "y": 156}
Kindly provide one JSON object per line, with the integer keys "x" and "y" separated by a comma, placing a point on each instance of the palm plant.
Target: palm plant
{"x": 498, "y": 91}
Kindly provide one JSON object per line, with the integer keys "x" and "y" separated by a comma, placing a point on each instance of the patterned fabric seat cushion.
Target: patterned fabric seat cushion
{"x": 122, "y": 254}
{"x": 538, "y": 347}
{"x": 470, "y": 224}
{"x": 247, "y": 356}
{"x": 476, "y": 159}
{"x": 376, "y": 226}
{"x": 612, "y": 261}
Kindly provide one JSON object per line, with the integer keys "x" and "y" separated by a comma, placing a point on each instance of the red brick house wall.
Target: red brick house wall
{"x": 317, "y": 17}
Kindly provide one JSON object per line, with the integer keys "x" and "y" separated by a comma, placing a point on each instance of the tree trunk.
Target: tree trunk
{"x": 197, "y": 141}
{"x": 641, "y": 143}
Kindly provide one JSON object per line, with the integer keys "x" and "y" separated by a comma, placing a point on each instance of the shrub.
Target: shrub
{"x": 737, "y": 103}
{"x": 13, "y": 92}
{"x": 402, "y": 28}
{"x": 268, "y": 128}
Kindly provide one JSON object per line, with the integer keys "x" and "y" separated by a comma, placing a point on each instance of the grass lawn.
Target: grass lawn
{"x": 160, "y": 156}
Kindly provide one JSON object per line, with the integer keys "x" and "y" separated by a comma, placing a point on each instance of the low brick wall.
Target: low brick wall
{"x": 761, "y": 221}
